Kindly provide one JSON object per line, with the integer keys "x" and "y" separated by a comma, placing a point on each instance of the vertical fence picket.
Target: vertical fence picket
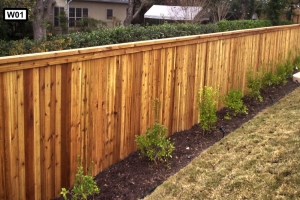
{"x": 57, "y": 132}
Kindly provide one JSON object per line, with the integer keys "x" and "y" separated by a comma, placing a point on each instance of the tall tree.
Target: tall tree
{"x": 244, "y": 9}
{"x": 131, "y": 13}
{"x": 41, "y": 13}
{"x": 135, "y": 7}
{"x": 274, "y": 9}
{"x": 220, "y": 9}
{"x": 38, "y": 11}
{"x": 187, "y": 7}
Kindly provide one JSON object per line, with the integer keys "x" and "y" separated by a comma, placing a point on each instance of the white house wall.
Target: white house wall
{"x": 98, "y": 10}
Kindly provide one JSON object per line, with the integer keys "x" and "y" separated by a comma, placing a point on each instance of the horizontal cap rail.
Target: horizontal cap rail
{"x": 26, "y": 61}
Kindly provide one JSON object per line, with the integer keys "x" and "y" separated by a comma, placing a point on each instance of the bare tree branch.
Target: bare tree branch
{"x": 220, "y": 9}
{"x": 139, "y": 10}
{"x": 199, "y": 7}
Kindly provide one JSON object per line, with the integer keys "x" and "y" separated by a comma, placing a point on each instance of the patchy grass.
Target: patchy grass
{"x": 260, "y": 160}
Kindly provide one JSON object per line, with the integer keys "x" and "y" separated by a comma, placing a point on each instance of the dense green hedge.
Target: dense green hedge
{"x": 124, "y": 34}
{"x": 225, "y": 25}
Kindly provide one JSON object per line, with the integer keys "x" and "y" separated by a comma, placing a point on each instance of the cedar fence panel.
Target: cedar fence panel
{"x": 92, "y": 102}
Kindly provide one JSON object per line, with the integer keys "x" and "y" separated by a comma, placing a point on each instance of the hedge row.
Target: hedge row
{"x": 123, "y": 34}
{"x": 225, "y": 25}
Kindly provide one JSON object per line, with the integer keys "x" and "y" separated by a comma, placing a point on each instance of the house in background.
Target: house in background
{"x": 112, "y": 12}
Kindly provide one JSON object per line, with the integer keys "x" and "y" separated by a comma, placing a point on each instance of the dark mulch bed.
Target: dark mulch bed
{"x": 134, "y": 178}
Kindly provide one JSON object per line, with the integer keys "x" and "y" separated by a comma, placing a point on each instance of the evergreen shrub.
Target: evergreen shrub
{"x": 155, "y": 145}
{"x": 207, "y": 108}
{"x": 233, "y": 101}
{"x": 225, "y": 25}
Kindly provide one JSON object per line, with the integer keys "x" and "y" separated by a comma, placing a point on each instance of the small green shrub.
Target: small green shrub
{"x": 233, "y": 101}
{"x": 254, "y": 84}
{"x": 296, "y": 62}
{"x": 269, "y": 79}
{"x": 84, "y": 184}
{"x": 154, "y": 145}
{"x": 284, "y": 71}
{"x": 289, "y": 68}
{"x": 281, "y": 73}
{"x": 207, "y": 108}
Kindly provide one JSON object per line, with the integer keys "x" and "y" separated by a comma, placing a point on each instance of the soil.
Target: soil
{"x": 134, "y": 178}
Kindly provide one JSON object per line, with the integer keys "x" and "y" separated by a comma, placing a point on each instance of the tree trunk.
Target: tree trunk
{"x": 139, "y": 10}
{"x": 41, "y": 17}
{"x": 130, "y": 16}
{"x": 39, "y": 30}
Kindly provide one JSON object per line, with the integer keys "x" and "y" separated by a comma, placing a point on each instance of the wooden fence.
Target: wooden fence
{"x": 92, "y": 102}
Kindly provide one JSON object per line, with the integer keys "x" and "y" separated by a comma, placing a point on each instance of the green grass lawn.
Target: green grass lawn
{"x": 260, "y": 160}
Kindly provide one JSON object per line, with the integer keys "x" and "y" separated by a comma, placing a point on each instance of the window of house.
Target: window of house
{"x": 85, "y": 12}
{"x": 71, "y": 17}
{"x": 76, "y": 15}
{"x": 57, "y": 11}
{"x": 109, "y": 14}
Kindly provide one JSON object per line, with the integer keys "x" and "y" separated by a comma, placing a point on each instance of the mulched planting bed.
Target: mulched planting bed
{"x": 134, "y": 178}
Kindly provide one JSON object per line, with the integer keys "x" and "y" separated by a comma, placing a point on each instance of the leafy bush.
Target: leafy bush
{"x": 285, "y": 22}
{"x": 269, "y": 79}
{"x": 289, "y": 68}
{"x": 5, "y": 47}
{"x": 296, "y": 61}
{"x": 207, "y": 108}
{"x": 233, "y": 101}
{"x": 84, "y": 184}
{"x": 254, "y": 84}
{"x": 26, "y": 46}
{"x": 154, "y": 145}
{"x": 282, "y": 72}
{"x": 23, "y": 46}
{"x": 225, "y": 25}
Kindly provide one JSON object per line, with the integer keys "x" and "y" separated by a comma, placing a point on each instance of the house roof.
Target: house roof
{"x": 172, "y": 12}
{"x": 105, "y": 1}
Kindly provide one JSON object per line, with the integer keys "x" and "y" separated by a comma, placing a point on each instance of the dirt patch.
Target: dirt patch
{"x": 134, "y": 178}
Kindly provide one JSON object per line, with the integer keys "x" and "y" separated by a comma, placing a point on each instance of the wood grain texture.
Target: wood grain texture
{"x": 37, "y": 136}
{"x": 3, "y": 180}
{"x": 29, "y": 139}
{"x": 65, "y": 124}
{"x": 57, "y": 100}
{"x": 92, "y": 102}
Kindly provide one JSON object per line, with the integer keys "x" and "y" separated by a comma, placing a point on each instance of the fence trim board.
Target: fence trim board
{"x": 25, "y": 61}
